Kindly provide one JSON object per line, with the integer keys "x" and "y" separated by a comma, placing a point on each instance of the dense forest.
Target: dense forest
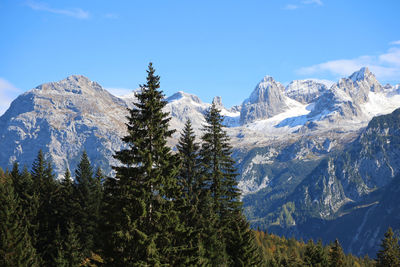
{"x": 162, "y": 208}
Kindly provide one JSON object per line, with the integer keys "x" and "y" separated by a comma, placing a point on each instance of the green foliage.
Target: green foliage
{"x": 336, "y": 255}
{"x": 315, "y": 255}
{"x": 145, "y": 222}
{"x": 279, "y": 251}
{"x": 72, "y": 247}
{"x": 187, "y": 203}
{"x": 219, "y": 185}
{"x": 45, "y": 221}
{"x": 87, "y": 194}
{"x": 389, "y": 255}
{"x": 15, "y": 243}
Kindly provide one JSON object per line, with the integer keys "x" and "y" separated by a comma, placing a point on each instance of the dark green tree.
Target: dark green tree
{"x": 336, "y": 255}
{"x": 219, "y": 178}
{"x": 72, "y": 248}
{"x": 58, "y": 250}
{"x": 28, "y": 199}
{"x": 145, "y": 222}
{"x": 188, "y": 201}
{"x": 66, "y": 204}
{"x": 241, "y": 243}
{"x": 46, "y": 219}
{"x": 314, "y": 254}
{"x": 218, "y": 166}
{"x": 86, "y": 195}
{"x": 389, "y": 255}
{"x": 15, "y": 243}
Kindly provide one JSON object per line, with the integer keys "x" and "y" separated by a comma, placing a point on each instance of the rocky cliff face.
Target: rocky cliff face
{"x": 267, "y": 100}
{"x": 63, "y": 119}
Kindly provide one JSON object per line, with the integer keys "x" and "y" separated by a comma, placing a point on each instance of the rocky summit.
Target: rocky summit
{"x": 307, "y": 154}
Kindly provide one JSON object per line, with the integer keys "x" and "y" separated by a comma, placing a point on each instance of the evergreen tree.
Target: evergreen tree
{"x": 46, "y": 220}
{"x": 24, "y": 188}
{"x": 86, "y": 197}
{"x": 188, "y": 177}
{"x": 58, "y": 250}
{"x": 336, "y": 255}
{"x": 218, "y": 166}
{"x": 67, "y": 205}
{"x": 241, "y": 243}
{"x": 389, "y": 255}
{"x": 314, "y": 255}
{"x": 98, "y": 192}
{"x": 72, "y": 248}
{"x": 188, "y": 201}
{"x": 145, "y": 221}
{"x": 15, "y": 243}
{"x": 219, "y": 178}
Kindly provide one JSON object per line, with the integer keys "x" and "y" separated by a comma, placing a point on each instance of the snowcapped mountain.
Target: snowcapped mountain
{"x": 305, "y": 91}
{"x": 64, "y": 118}
{"x": 280, "y": 136}
{"x": 266, "y": 101}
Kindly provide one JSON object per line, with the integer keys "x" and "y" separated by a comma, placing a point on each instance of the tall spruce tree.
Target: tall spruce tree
{"x": 389, "y": 255}
{"x": 336, "y": 255}
{"x": 219, "y": 178}
{"x": 66, "y": 204}
{"x": 314, "y": 254}
{"x": 15, "y": 243}
{"x": 28, "y": 199}
{"x": 72, "y": 248}
{"x": 145, "y": 222}
{"x": 87, "y": 200}
{"x": 45, "y": 221}
{"x": 241, "y": 243}
{"x": 188, "y": 201}
{"x": 218, "y": 166}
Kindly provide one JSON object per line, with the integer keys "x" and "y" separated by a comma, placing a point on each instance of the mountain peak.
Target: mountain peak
{"x": 182, "y": 95}
{"x": 268, "y": 78}
{"x": 76, "y": 84}
{"x": 217, "y": 101}
{"x": 361, "y": 74}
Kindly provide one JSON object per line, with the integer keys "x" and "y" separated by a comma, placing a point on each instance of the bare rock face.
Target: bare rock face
{"x": 265, "y": 101}
{"x": 63, "y": 119}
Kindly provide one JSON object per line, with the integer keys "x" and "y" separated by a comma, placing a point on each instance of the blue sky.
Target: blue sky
{"x": 203, "y": 47}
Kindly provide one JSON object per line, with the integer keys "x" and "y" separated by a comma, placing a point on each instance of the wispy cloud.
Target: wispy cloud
{"x": 7, "y": 93}
{"x": 71, "y": 12}
{"x": 395, "y": 42}
{"x": 385, "y": 66}
{"x": 291, "y": 7}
